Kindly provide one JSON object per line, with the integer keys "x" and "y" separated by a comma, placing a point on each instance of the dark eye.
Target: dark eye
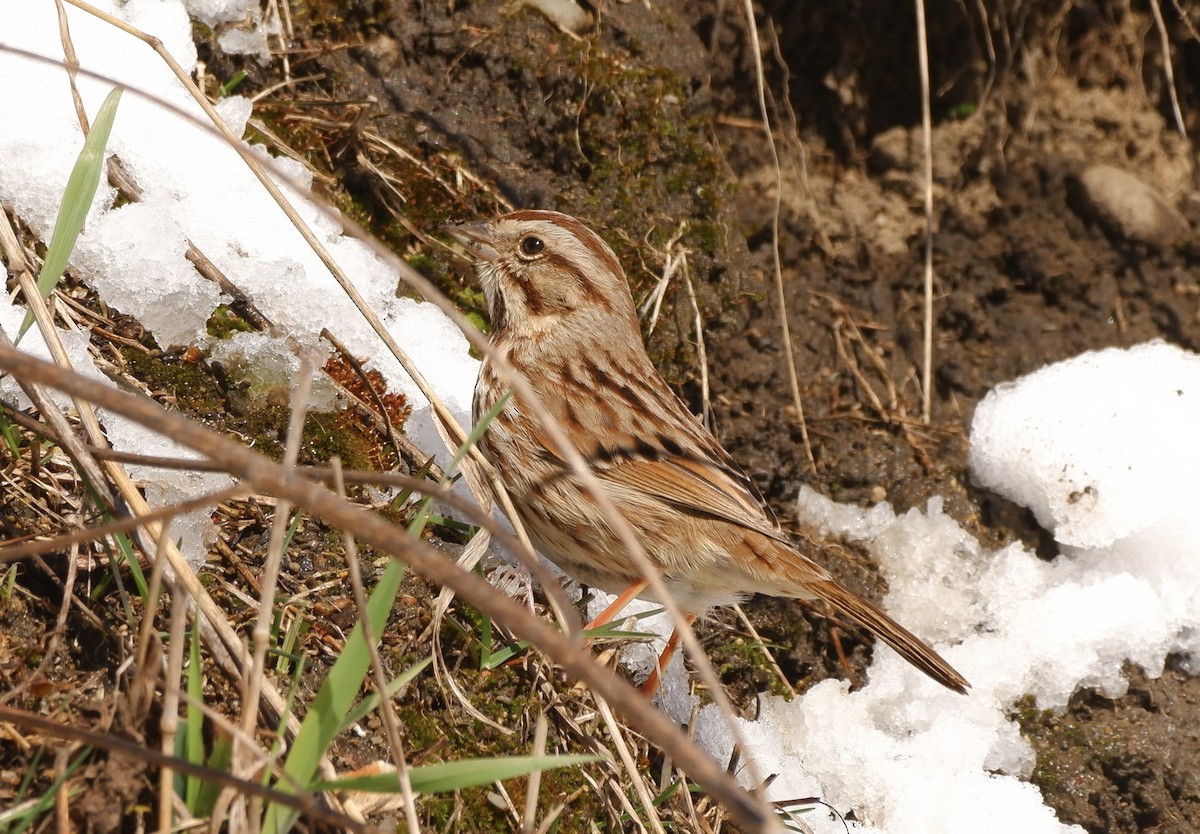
{"x": 532, "y": 246}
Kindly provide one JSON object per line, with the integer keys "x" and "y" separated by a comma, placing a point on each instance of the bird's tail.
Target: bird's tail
{"x": 907, "y": 644}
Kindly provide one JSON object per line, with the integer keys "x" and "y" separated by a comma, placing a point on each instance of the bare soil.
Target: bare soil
{"x": 1027, "y": 272}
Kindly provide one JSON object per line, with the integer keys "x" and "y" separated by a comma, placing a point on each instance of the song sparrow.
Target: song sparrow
{"x": 562, "y": 315}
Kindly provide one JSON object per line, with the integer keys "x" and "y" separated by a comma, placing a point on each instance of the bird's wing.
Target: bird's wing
{"x": 697, "y": 487}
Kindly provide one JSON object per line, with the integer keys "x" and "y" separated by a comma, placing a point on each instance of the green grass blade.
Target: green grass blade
{"x": 372, "y": 701}
{"x": 324, "y": 719}
{"x": 12, "y": 435}
{"x": 22, "y": 820}
{"x": 194, "y": 729}
{"x": 423, "y": 511}
{"x": 220, "y": 759}
{"x": 125, "y": 549}
{"x": 479, "y": 428}
{"x": 334, "y": 699}
{"x": 450, "y": 776}
{"x": 77, "y": 199}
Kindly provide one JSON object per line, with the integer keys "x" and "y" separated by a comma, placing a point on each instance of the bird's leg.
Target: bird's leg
{"x": 652, "y": 682}
{"x": 837, "y": 640}
{"x": 618, "y": 605}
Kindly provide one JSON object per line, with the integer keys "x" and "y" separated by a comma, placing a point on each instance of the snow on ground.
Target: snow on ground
{"x": 197, "y": 189}
{"x": 1101, "y": 447}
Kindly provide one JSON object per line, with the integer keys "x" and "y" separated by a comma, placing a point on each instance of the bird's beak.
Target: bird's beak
{"x": 476, "y": 238}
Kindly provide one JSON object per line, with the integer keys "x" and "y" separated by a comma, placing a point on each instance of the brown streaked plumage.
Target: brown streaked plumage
{"x": 562, "y": 315}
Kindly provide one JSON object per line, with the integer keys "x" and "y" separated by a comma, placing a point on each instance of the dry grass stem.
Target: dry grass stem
{"x": 529, "y": 817}
{"x": 673, "y": 259}
{"x": 632, "y": 771}
{"x": 761, "y": 645}
{"x": 13, "y": 551}
{"x": 387, "y": 709}
{"x": 556, "y": 436}
{"x": 405, "y": 448}
{"x": 927, "y": 147}
{"x": 272, "y": 478}
{"x": 261, "y": 635}
{"x": 71, "y": 62}
{"x": 311, "y": 806}
{"x": 791, "y": 134}
{"x": 785, "y": 329}
{"x": 1169, "y": 75}
{"x": 169, "y": 721}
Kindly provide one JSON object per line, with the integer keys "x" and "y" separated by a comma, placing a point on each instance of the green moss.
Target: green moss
{"x": 188, "y": 385}
{"x": 336, "y": 435}
{"x": 261, "y": 418}
{"x": 648, "y": 166}
{"x": 340, "y": 19}
{"x": 422, "y": 262}
{"x": 225, "y": 321}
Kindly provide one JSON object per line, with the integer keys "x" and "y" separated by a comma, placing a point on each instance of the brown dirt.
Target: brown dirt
{"x": 1024, "y": 275}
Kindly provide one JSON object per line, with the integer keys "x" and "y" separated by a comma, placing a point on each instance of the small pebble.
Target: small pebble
{"x": 566, "y": 14}
{"x": 1124, "y": 206}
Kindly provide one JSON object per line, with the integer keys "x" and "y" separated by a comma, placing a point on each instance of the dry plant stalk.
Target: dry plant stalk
{"x": 748, "y": 808}
{"x": 270, "y": 478}
{"x": 793, "y": 376}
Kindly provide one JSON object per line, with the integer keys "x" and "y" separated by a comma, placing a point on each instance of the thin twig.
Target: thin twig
{"x": 269, "y": 477}
{"x": 310, "y": 806}
{"x": 927, "y": 146}
{"x": 788, "y": 347}
{"x": 387, "y": 709}
{"x": 56, "y": 636}
{"x": 405, "y": 448}
{"x": 261, "y": 634}
{"x": 761, "y": 645}
{"x": 239, "y": 300}
{"x": 12, "y": 552}
{"x": 1169, "y": 72}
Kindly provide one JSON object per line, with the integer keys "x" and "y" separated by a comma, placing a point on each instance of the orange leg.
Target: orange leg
{"x": 652, "y": 682}
{"x": 618, "y": 605}
{"x": 837, "y": 640}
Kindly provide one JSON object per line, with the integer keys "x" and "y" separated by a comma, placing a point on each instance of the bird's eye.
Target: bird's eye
{"x": 532, "y": 246}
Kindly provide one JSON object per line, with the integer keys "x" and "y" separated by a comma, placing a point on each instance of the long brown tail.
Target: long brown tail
{"x": 907, "y": 644}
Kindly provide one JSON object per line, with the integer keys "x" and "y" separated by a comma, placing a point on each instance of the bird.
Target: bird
{"x": 562, "y": 315}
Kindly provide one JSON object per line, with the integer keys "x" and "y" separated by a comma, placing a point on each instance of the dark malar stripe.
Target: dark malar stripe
{"x": 535, "y": 303}
{"x": 498, "y": 313}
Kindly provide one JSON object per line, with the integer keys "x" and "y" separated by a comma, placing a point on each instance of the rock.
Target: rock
{"x": 1124, "y": 206}
{"x": 565, "y": 14}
